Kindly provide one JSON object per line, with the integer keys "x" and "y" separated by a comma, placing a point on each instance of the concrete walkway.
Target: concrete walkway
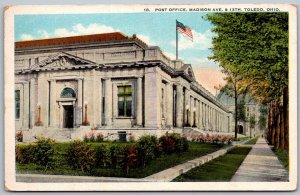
{"x": 261, "y": 164}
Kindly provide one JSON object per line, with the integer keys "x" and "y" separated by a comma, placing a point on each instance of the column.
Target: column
{"x": 169, "y": 101}
{"x": 187, "y": 108}
{"x": 26, "y": 105}
{"x": 139, "y": 113}
{"x": 32, "y": 102}
{"x": 200, "y": 115}
{"x": 192, "y": 109}
{"x": 79, "y": 103}
{"x": 94, "y": 108}
{"x": 179, "y": 105}
{"x": 108, "y": 102}
{"x": 52, "y": 103}
{"x": 197, "y": 113}
{"x": 152, "y": 98}
{"x": 205, "y": 116}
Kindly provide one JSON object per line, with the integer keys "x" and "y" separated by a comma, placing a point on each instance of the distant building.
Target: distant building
{"x": 251, "y": 109}
{"x": 111, "y": 83}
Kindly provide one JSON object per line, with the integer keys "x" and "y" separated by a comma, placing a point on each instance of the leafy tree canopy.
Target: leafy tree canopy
{"x": 255, "y": 47}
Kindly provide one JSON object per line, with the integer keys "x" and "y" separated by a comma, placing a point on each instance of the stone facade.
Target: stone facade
{"x": 110, "y": 83}
{"x": 251, "y": 109}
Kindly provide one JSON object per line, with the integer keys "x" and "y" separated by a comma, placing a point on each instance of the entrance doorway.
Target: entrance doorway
{"x": 240, "y": 129}
{"x": 68, "y": 116}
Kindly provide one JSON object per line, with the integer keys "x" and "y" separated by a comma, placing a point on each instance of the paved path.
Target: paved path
{"x": 261, "y": 164}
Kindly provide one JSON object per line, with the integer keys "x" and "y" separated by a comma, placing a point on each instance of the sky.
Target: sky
{"x": 157, "y": 29}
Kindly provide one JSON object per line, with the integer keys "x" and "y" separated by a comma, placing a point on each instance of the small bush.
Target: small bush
{"x": 81, "y": 156}
{"x": 167, "y": 143}
{"x": 99, "y": 137}
{"x": 182, "y": 145}
{"x": 117, "y": 153}
{"x": 44, "y": 152}
{"x": 25, "y": 153}
{"x": 148, "y": 149}
{"x": 103, "y": 156}
{"x": 19, "y": 136}
{"x": 93, "y": 137}
{"x": 130, "y": 159}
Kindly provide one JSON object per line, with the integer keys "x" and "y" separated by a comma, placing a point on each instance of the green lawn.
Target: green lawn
{"x": 283, "y": 156}
{"x": 156, "y": 165}
{"x": 241, "y": 138}
{"x": 219, "y": 169}
{"x": 252, "y": 141}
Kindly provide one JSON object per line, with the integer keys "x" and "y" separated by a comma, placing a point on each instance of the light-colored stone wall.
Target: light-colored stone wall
{"x": 151, "y": 110}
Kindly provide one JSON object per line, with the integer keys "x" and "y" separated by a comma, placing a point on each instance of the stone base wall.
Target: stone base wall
{"x": 62, "y": 135}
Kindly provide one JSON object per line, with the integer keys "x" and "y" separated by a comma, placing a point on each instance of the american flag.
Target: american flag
{"x": 184, "y": 29}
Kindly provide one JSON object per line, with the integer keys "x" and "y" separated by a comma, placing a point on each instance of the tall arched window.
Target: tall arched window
{"x": 68, "y": 93}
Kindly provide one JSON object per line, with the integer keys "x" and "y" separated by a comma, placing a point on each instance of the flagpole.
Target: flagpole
{"x": 176, "y": 41}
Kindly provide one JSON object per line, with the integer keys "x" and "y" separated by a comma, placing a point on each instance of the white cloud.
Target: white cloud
{"x": 77, "y": 29}
{"x": 43, "y": 33}
{"x": 201, "y": 41}
{"x": 26, "y": 37}
{"x": 146, "y": 39}
{"x": 80, "y": 29}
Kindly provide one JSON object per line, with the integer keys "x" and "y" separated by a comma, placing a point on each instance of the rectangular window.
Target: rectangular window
{"x": 17, "y": 104}
{"x": 125, "y": 101}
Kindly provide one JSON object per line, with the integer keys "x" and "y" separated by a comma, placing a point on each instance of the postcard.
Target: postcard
{"x": 151, "y": 97}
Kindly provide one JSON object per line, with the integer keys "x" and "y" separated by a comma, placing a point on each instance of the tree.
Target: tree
{"x": 252, "y": 122}
{"x": 262, "y": 121}
{"x": 255, "y": 45}
{"x": 236, "y": 89}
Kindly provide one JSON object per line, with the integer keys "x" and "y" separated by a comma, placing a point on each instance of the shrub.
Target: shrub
{"x": 93, "y": 137}
{"x": 102, "y": 156}
{"x": 167, "y": 143}
{"x": 99, "y": 137}
{"x": 19, "y": 136}
{"x": 81, "y": 156}
{"x": 182, "y": 145}
{"x": 44, "y": 152}
{"x": 117, "y": 153}
{"x": 148, "y": 149}
{"x": 25, "y": 153}
{"x": 130, "y": 159}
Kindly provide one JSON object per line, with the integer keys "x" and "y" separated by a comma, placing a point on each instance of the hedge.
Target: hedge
{"x": 82, "y": 156}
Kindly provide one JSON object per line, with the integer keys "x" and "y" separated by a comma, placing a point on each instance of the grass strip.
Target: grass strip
{"x": 219, "y": 169}
{"x": 283, "y": 157}
{"x": 252, "y": 141}
{"x": 164, "y": 162}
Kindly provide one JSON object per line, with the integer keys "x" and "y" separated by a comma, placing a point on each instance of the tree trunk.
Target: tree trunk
{"x": 286, "y": 116}
{"x": 269, "y": 127}
{"x": 236, "y": 114}
{"x": 277, "y": 126}
{"x": 282, "y": 136}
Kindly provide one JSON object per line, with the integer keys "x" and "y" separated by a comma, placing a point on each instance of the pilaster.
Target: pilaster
{"x": 179, "y": 108}
{"x": 108, "y": 102}
{"x": 139, "y": 115}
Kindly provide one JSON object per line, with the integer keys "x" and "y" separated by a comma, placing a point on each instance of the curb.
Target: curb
{"x": 171, "y": 173}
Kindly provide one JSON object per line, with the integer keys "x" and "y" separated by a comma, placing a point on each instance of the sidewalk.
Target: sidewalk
{"x": 261, "y": 164}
